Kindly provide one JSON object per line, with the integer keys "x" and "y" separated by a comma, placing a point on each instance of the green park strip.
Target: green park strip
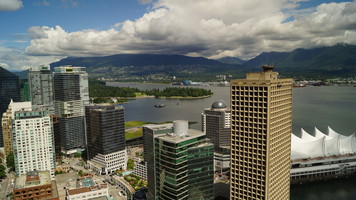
{"x": 131, "y": 124}
{"x": 134, "y": 134}
{"x": 181, "y": 97}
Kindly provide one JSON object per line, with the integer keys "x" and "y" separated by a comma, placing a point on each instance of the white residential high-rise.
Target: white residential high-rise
{"x": 33, "y": 141}
{"x": 7, "y": 118}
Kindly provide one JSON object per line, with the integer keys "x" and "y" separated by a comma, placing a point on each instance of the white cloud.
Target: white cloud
{"x": 15, "y": 59}
{"x": 10, "y": 5}
{"x": 145, "y": 1}
{"x": 207, "y": 28}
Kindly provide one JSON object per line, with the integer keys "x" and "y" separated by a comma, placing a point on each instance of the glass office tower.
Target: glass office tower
{"x": 9, "y": 89}
{"x": 179, "y": 162}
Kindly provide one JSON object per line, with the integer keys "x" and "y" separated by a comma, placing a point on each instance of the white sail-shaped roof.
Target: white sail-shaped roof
{"x": 332, "y": 133}
{"x": 319, "y": 134}
{"x": 354, "y": 143}
{"x": 333, "y": 144}
{"x": 347, "y": 144}
{"x": 306, "y": 136}
{"x": 311, "y": 149}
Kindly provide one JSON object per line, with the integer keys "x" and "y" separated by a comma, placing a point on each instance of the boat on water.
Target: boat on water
{"x": 159, "y": 105}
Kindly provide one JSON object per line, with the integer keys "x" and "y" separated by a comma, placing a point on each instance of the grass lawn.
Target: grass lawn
{"x": 134, "y": 134}
{"x": 130, "y": 124}
{"x": 139, "y": 94}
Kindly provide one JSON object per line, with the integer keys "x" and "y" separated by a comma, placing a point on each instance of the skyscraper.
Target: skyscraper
{"x": 216, "y": 125}
{"x": 41, "y": 86}
{"x": 71, "y": 94}
{"x": 261, "y": 115}
{"x": 33, "y": 141}
{"x": 9, "y": 89}
{"x": 7, "y": 120}
{"x": 106, "y": 138}
{"x": 179, "y": 162}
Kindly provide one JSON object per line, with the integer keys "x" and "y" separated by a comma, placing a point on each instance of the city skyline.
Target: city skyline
{"x": 92, "y": 28}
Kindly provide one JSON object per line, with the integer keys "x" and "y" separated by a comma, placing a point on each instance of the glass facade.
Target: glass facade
{"x": 70, "y": 97}
{"x": 105, "y": 129}
{"x": 182, "y": 167}
{"x": 9, "y": 89}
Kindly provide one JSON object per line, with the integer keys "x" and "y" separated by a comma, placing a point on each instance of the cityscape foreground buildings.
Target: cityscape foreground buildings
{"x": 179, "y": 162}
{"x": 216, "y": 123}
{"x": 41, "y": 86}
{"x": 106, "y": 138}
{"x": 261, "y": 115}
{"x": 9, "y": 89}
{"x": 7, "y": 125}
{"x": 33, "y": 141}
{"x": 71, "y": 94}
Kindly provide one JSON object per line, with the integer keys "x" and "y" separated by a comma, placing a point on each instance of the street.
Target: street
{"x": 6, "y": 185}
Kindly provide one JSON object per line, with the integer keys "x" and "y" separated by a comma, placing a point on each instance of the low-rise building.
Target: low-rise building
{"x": 35, "y": 185}
{"x": 85, "y": 188}
{"x": 140, "y": 169}
{"x": 123, "y": 185}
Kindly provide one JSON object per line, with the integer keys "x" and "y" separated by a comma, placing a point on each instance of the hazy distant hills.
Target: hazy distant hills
{"x": 22, "y": 74}
{"x": 324, "y": 62}
{"x": 231, "y": 60}
{"x": 337, "y": 60}
{"x": 150, "y": 65}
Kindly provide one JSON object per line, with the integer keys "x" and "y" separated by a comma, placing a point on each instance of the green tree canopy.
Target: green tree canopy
{"x": 10, "y": 160}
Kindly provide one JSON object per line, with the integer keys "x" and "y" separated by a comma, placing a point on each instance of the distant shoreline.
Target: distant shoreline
{"x": 160, "y": 97}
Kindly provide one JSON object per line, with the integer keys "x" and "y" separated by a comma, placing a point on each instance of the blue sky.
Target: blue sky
{"x": 42, "y": 31}
{"x": 70, "y": 15}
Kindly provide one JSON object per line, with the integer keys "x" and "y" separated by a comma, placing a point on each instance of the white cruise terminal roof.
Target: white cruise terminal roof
{"x": 308, "y": 146}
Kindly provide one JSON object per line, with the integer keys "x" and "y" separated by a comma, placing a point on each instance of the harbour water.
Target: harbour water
{"x": 312, "y": 107}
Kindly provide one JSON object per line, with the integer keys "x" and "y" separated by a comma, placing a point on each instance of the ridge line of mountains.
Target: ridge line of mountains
{"x": 323, "y": 62}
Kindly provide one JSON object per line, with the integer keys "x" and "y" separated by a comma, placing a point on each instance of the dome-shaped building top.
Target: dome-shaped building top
{"x": 220, "y": 104}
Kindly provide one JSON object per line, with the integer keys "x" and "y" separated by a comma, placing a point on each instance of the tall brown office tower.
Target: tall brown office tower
{"x": 261, "y": 115}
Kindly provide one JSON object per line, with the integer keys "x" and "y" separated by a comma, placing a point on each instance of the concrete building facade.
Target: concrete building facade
{"x": 71, "y": 94}
{"x": 216, "y": 122}
{"x": 261, "y": 115}
{"x": 86, "y": 188}
{"x": 179, "y": 162}
{"x": 33, "y": 142}
{"x": 106, "y": 138}
{"x": 35, "y": 185}
{"x": 7, "y": 120}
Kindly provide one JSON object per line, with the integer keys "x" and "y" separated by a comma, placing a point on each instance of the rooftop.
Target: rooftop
{"x": 175, "y": 138}
{"x": 44, "y": 178}
{"x": 69, "y": 69}
{"x": 156, "y": 127}
{"x": 220, "y": 104}
{"x": 83, "y": 185}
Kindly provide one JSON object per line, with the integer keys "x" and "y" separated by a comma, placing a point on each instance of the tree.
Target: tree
{"x": 77, "y": 155}
{"x": 130, "y": 164}
{"x": 2, "y": 171}
{"x": 10, "y": 160}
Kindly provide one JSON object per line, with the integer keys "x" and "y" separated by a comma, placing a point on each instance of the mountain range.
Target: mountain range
{"x": 323, "y": 62}
{"x": 131, "y": 66}
{"x": 335, "y": 61}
